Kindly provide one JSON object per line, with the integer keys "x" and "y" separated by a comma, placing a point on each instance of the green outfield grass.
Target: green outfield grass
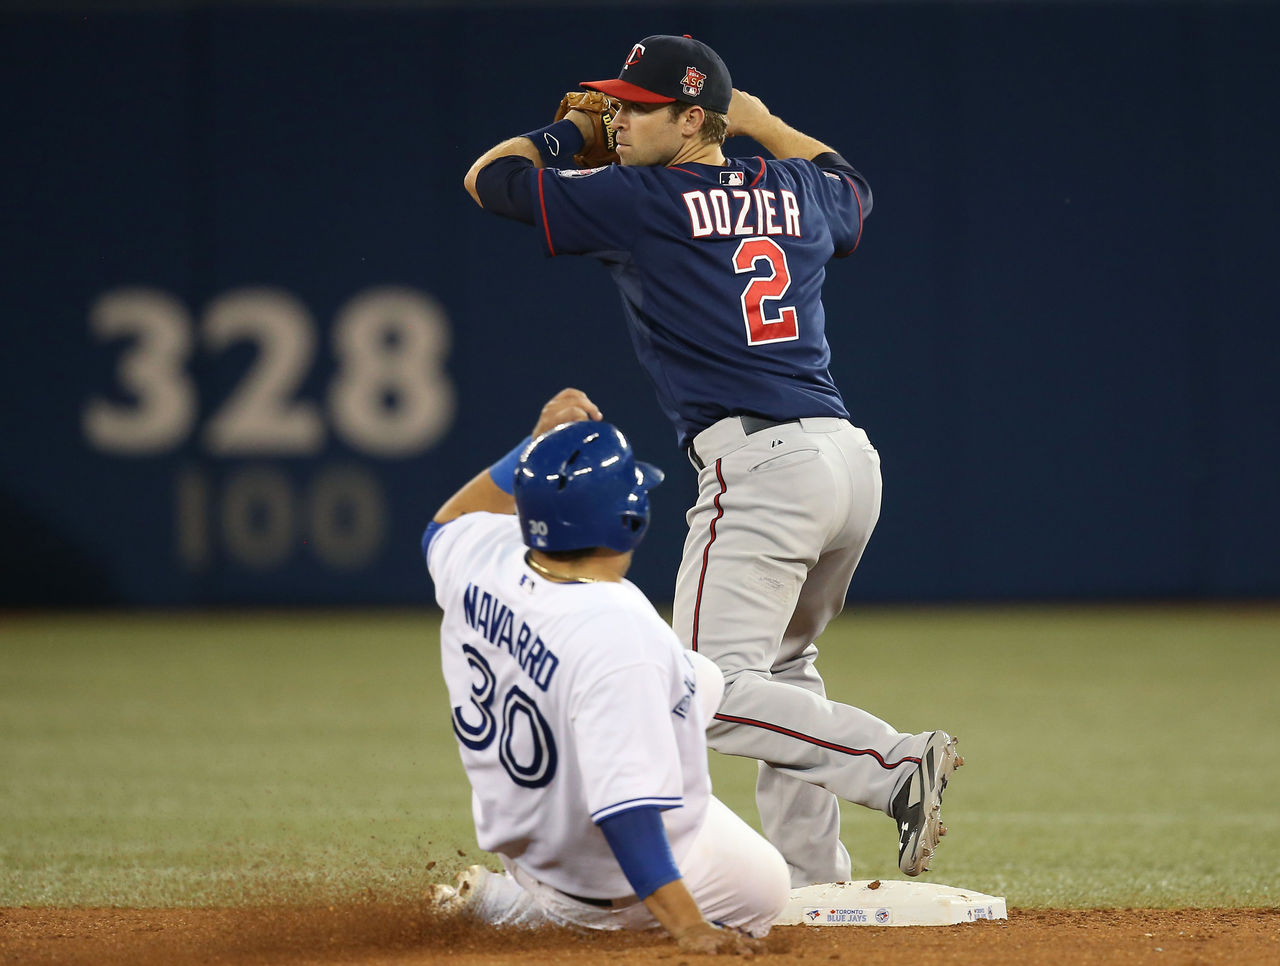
{"x": 1117, "y": 756}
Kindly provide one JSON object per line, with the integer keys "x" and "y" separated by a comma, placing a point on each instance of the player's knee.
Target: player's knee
{"x": 770, "y": 888}
{"x": 777, "y": 882}
{"x": 710, "y": 682}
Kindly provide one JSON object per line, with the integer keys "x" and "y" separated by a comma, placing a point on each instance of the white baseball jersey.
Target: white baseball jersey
{"x": 571, "y": 702}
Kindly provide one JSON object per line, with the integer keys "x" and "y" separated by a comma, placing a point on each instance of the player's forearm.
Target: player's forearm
{"x": 489, "y": 491}
{"x": 526, "y": 146}
{"x": 673, "y": 906}
{"x": 783, "y": 141}
{"x": 480, "y": 494}
{"x": 748, "y": 115}
{"x": 512, "y": 147}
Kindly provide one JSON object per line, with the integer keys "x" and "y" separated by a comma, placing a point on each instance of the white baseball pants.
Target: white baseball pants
{"x": 736, "y": 877}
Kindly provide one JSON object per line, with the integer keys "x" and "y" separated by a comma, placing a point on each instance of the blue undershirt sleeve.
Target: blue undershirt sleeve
{"x": 833, "y": 161}
{"x": 504, "y": 187}
{"x": 503, "y": 472}
{"x": 432, "y": 529}
{"x": 639, "y": 843}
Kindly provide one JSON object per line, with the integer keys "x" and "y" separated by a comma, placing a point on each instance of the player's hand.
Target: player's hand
{"x": 706, "y": 938}
{"x": 592, "y": 113}
{"x": 566, "y": 406}
{"x": 746, "y": 113}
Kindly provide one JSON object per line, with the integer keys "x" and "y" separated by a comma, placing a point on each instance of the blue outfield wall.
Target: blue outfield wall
{"x": 255, "y": 332}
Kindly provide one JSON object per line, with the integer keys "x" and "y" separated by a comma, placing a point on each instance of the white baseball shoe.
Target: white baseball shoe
{"x": 491, "y": 897}
{"x": 917, "y": 808}
{"x": 454, "y": 899}
{"x": 439, "y": 894}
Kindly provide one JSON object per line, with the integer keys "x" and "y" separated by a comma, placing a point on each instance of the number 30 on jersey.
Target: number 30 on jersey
{"x": 526, "y": 746}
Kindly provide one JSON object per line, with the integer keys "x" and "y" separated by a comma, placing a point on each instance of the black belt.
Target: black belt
{"x": 750, "y": 424}
{"x": 598, "y": 903}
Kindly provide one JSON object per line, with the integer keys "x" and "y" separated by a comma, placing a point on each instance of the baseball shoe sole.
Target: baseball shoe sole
{"x": 464, "y": 895}
{"x": 917, "y": 808}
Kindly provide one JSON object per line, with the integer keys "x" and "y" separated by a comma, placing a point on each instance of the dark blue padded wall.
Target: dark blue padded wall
{"x": 256, "y": 331}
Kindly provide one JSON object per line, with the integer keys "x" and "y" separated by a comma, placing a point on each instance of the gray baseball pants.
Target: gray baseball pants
{"x": 782, "y": 518}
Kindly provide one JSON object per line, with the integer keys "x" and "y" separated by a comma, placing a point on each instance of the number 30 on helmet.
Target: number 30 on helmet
{"x": 580, "y": 485}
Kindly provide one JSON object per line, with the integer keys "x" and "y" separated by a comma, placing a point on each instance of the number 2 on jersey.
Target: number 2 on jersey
{"x": 762, "y": 330}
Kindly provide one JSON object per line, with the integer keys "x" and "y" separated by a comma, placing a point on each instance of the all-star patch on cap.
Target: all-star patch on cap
{"x": 665, "y": 68}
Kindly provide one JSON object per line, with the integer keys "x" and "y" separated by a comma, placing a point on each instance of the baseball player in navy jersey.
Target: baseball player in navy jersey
{"x": 720, "y": 263}
{"x": 579, "y": 716}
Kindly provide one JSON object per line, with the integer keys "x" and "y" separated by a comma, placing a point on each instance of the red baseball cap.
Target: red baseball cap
{"x": 664, "y": 68}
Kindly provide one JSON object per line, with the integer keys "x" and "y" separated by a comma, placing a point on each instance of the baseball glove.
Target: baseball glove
{"x": 601, "y": 148}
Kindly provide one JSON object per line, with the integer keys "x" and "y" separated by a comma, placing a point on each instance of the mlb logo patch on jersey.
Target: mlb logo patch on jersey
{"x": 732, "y": 178}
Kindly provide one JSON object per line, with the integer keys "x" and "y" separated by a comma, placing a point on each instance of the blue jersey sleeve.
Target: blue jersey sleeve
{"x": 503, "y": 187}
{"x": 591, "y": 211}
{"x": 847, "y": 200}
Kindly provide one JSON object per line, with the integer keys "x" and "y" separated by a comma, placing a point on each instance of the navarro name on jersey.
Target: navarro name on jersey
{"x": 715, "y": 212}
{"x": 492, "y": 618}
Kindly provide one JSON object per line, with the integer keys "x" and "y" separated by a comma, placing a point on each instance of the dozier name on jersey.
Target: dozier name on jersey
{"x": 755, "y": 212}
{"x": 491, "y": 617}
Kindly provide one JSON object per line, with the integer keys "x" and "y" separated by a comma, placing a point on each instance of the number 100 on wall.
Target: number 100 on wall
{"x": 258, "y": 518}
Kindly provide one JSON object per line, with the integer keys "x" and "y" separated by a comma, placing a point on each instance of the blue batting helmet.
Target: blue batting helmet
{"x": 580, "y": 485}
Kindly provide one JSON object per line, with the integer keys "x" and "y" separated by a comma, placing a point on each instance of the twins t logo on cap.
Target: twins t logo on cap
{"x": 633, "y": 58}
{"x": 693, "y": 81}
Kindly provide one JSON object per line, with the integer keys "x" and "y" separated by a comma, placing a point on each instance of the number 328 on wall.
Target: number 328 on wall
{"x": 389, "y": 395}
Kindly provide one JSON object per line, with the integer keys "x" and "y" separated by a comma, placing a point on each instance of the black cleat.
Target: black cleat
{"x": 917, "y": 808}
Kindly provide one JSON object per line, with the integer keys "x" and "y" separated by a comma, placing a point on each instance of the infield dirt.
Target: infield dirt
{"x": 384, "y": 934}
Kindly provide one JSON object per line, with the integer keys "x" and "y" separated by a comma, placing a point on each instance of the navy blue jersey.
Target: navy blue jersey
{"x": 720, "y": 271}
